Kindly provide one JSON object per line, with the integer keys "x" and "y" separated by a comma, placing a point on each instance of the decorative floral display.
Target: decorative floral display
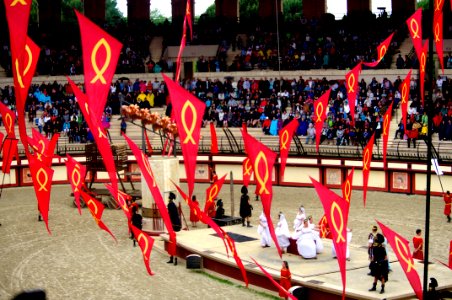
{"x": 146, "y": 117}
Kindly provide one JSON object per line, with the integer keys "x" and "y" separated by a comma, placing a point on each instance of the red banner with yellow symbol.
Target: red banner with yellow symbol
{"x": 96, "y": 209}
{"x": 386, "y": 131}
{"x": 76, "y": 175}
{"x": 188, "y": 112}
{"x": 285, "y": 138}
{"x": 336, "y": 211}
{"x": 213, "y": 139}
{"x": 382, "y": 49}
{"x": 325, "y": 232}
{"x": 9, "y": 150}
{"x": 227, "y": 240}
{"x": 43, "y": 148}
{"x": 17, "y": 15}
{"x": 8, "y": 118}
{"x": 100, "y": 57}
{"x": 212, "y": 193}
{"x": 122, "y": 201}
{"x": 414, "y": 24}
{"x": 99, "y": 135}
{"x": 351, "y": 83}
{"x": 401, "y": 248}
{"x": 320, "y": 110}
{"x": 146, "y": 243}
{"x": 285, "y": 292}
{"x": 422, "y": 68}
{"x": 42, "y": 182}
{"x": 405, "y": 97}
{"x": 247, "y": 171}
{"x": 183, "y": 42}
{"x": 24, "y": 68}
{"x": 438, "y": 36}
{"x": 262, "y": 159}
{"x": 367, "y": 159}
{"x": 146, "y": 171}
{"x": 347, "y": 186}
{"x": 148, "y": 143}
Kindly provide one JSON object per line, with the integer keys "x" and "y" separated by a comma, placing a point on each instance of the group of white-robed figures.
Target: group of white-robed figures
{"x": 306, "y": 233}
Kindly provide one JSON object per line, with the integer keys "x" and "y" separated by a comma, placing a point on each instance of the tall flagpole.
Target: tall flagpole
{"x": 429, "y": 105}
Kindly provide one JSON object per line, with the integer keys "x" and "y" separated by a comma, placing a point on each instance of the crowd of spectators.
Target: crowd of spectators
{"x": 268, "y": 104}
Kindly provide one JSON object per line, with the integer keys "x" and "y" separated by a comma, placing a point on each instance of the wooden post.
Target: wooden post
{"x": 231, "y": 184}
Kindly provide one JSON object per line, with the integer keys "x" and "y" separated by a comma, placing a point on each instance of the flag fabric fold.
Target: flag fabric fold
{"x": 8, "y": 119}
{"x": 438, "y": 35}
{"x": 382, "y": 49}
{"x": 9, "y": 150}
{"x": 146, "y": 171}
{"x": 405, "y": 95}
{"x": 336, "y": 211}
{"x": 285, "y": 139}
{"x": 76, "y": 175}
{"x": 213, "y": 139}
{"x": 320, "y": 110}
{"x": 263, "y": 159}
{"x": 188, "y": 112}
{"x": 347, "y": 186}
{"x": 414, "y": 23}
{"x": 422, "y": 68}
{"x": 122, "y": 201}
{"x": 401, "y": 248}
{"x": 367, "y": 159}
{"x": 212, "y": 192}
{"x": 146, "y": 243}
{"x": 386, "y": 130}
{"x": 351, "y": 84}
{"x": 247, "y": 171}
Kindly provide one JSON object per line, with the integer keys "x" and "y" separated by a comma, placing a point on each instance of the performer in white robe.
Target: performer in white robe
{"x": 264, "y": 231}
{"x": 282, "y": 232}
{"x": 316, "y": 233}
{"x": 349, "y": 239}
{"x": 298, "y": 221}
{"x": 305, "y": 244}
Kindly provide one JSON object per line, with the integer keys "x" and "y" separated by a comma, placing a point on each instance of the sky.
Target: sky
{"x": 336, "y": 7}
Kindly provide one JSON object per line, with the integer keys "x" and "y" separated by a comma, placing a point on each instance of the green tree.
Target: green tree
{"x": 210, "y": 11}
{"x": 422, "y": 3}
{"x": 249, "y": 9}
{"x": 156, "y": 17}
{"x": 291, "y": 10}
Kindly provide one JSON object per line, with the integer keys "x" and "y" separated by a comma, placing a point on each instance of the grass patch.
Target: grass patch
{"x": 230, "y": 283}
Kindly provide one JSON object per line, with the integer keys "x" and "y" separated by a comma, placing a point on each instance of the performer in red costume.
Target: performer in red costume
{"x": 447, "y": 205}
{"x": 286, "y": 278}
{"x": 418, "y": 243}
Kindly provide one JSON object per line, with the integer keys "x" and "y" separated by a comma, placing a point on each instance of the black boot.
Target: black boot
{"x": 448, "y": 219}
{"x": 170, "y": 261}
{"x": 243, "y": 222}
{"x": 382, "y": 289}
{"x": 248, "y": 224}
{"x": 374, "y": 287}
{"x": 39, "y": 218}
{"x": 175, "y": 261}
{"x": 134, "y": 243}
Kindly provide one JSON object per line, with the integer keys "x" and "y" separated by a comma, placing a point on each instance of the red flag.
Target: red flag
{"x": 148, "y": 175}
{"x": 188, "y": 17}
{"x": 401, "y": 248}
{"x": 99, "y": 136}
{"x": 414, "y": 24}
{"x": 347, "y": 186}
{"x": 263, "y": 159}
{"x": 285, "y": 138}
{"x": 325, "y": 231}
{"x": 285, "y": 292}
{"x": 367, "y": 159}
{"x": 336, "y": 211}
{"x": 100, "y": 57}
{"x": 17, "y": 15}
{"x": 9, "y": 150}
{"x": 351, "y": 80}
{"x": 381, "y": 50}
{"x": 438, "y": 33}
{"x": 122, "y": 201}
{"x": 320, "y": 109}
{"x": 422, "y": 66}
{"x": 146, "y": 243}
{"x": 148, "y": 143}
{"x": 97, "y": 209}
{"x": 76, "y": 175}
{"x": 244, "y": 128}
{"x": 386, "y": 125}
{"x": 405, "y": 93}
{"x": 42, "y": 182}
{"x": 43, "y": 148}
{"x": 213, "y": 139}
{"x": 439, "y": 5}
{"x": 183, "y": 41}
{"x": 247, "y": 171}
{"x": 188, "y": 112}
{"x": 8, "y": 117}
{"x": 212, "y": 192}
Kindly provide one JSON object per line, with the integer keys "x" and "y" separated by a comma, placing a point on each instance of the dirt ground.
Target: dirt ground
{"x": 79, "y": 261}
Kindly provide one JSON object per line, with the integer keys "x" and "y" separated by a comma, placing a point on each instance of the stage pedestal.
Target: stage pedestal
{"x": 166, "y": 171}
